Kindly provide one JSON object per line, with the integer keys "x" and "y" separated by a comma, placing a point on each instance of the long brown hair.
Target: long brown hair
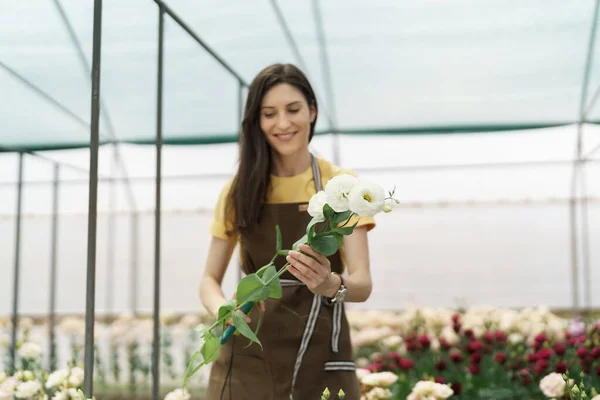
{"x": 251, "y": 183}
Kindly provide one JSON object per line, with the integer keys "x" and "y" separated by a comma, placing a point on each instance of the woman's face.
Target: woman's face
{"x": 285, "y": 119}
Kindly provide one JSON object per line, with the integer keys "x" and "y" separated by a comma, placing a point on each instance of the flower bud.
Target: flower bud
{"x": 326, "y": 395}
{"x": 341, "y": 394}
{"x": 386, "y": 208}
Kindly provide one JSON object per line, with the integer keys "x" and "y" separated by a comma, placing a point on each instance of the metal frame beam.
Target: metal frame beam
{"x": 577, "y": 166}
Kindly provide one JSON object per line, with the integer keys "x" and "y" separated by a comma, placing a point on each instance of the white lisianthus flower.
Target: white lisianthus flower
{"x": 449, "y": 335}
{"x": 553, "y": 385}
{"x": 362, "y": 372}
{"x": 30, "y": 350}
{"x": 316, "y": 204}
{"x": 515, "y": 338}
{"x": 338, "y": 189}
{"x": 366, "y": 199}
{"x": 57, "y": 378}
{"x": 25, "y": 390}
{"x": 178, "y": 394}
{"x": 378, "y": 394}
{"x": 76, "y": 377}
{"x": 429, "y": 390}
{"x": 379, "y": 379}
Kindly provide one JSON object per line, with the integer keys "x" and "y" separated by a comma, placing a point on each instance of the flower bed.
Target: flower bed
{"x": 482, "y": 353}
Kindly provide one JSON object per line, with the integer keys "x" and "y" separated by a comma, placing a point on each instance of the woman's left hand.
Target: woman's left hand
{"x": 314, "y": 271}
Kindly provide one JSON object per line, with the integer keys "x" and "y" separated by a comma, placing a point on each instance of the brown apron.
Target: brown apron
{"x": 306, "y": 341}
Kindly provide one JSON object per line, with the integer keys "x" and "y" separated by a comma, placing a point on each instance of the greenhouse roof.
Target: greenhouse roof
{"x": 383, "y": 67}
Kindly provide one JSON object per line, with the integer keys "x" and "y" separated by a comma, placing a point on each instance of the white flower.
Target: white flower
{"x": 30, "y": 350}
{"x": 378, "y": 394}
{"x": 362, "y": 372}
{"x": 178, "y": 394}
{"x": 449, "y": 335}
{"x": 515, "y": 338}
{"x": 379, "y": 379}
{"x": 57, "y": 378}
{"x": 23, "y": 376}
{"x": 316, "y": 204}
{"x": 428, "y": 390}
{"x": 596, "y": 397}
{"x": 76, "y": 377}
{"x": 366, "y": 199}
{"x": 67, "y": 394}
{"x": 338, "y": 189}
{"x": 25, "y": 390}
{"x": 553, "y": 385}
{"x": 8, "y": 387}
{"x": 392, "y": 342}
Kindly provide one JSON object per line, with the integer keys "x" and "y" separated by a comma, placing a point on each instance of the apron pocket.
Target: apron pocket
{"x": 340, "y": 366}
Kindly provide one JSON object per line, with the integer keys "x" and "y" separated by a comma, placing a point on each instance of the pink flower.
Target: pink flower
{"x": 576, "y": 327}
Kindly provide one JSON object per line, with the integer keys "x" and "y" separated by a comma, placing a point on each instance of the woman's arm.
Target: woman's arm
{"x": 219, "y": 255}
{"x": 356, "y": 255}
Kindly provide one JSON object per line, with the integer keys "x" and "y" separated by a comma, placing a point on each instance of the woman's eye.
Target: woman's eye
{"x": 294, "y": 110}
{"x": 268, "y": 115}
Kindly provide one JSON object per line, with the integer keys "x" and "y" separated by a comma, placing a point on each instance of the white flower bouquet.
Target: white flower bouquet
{"x": 332, "y": 209}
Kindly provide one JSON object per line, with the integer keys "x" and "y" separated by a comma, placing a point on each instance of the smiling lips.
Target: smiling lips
{"x": 285, "y": 137}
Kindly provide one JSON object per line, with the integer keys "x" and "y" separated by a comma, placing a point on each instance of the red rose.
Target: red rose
{"x": 469, "y": 334}
{"x": 444, "y": 344}
{"x": 411, "y": 346}
{"x": 500, "y": 358}
{"x": 424, "y": 341}
{"x": 393, "y": 356}
{"x": 532, "y": 358}
{"x": 439, "y": 379}
{"x": 440, "y": 365}
{"x": 475, "y": 358}
{"x": 595, "y": 353}
{"x": 541, "y": 366}
{"x": 541, "y": 337}
{"x": 581, "y": 352}
{"x": 473, "y": 369}
{"x": 474, "y": 346}
{"x": 456, "y": 387}
{"x": 455, "y": 318}
{"x": 500, "y": 336}
{"x": 561, "y": 367}
{"x": 457, "y": 357}
{"x": 560, "y": 349}
{"x": 488, "y": 337}
{"x": 376, "y": 367}
{"x": 406, "y": 363}
{"x": 544, "y": 354}
{"x": 378, "y": 358}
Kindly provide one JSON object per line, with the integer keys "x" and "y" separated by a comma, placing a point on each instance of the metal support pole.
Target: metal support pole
{"x": 577, "y": 165}
{"x": 88, "y": 382}
{"x": 585, "y": 241}
{"x": 240, "y": 113}
{"x": 15, "y": 310}
{"x": 157, "y": 210}
{"x": 111, "y": 239}
{"x": 53, "y": 262}
{"x": 134, "y": 251}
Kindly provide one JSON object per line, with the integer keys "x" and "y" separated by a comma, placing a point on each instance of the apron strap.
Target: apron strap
{"x": 316, "y": 303}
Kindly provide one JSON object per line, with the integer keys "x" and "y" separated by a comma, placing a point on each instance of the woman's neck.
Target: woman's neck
{"x": 290, "y": 165}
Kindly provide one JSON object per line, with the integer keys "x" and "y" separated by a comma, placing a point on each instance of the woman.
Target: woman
{"x": 305, "y": 334}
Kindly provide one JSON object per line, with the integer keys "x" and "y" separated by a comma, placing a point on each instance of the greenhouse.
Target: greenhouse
{"x": 119, "y": 128}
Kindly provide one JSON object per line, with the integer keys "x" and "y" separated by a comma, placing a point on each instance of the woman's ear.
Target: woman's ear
{"x": 313, "y": 113}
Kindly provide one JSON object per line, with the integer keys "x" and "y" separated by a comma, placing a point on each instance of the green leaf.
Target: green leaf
{"x": 262, "y": 270}
{"x": 258, "y": 325}
{"x": 341, "y": 217}
{"x": 327, "y": 244}
{"x": 275, "y": 286}
{"x": 210, "y": 349}
{"x": 260, "y": 294}
{"x": 310, "y": 228}
{"x": 328, "y": 212}
{"x": 247, "y": 288}
{"x": 244, "y": 329}
{"x": 189, "y": 371}
{"x": 347, "y": 230}
{"x": 226, "y": 309}
{"x": 279, "y": 239}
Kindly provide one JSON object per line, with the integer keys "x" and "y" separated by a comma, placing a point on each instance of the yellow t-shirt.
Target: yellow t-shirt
{"x": 293, "y": 189}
